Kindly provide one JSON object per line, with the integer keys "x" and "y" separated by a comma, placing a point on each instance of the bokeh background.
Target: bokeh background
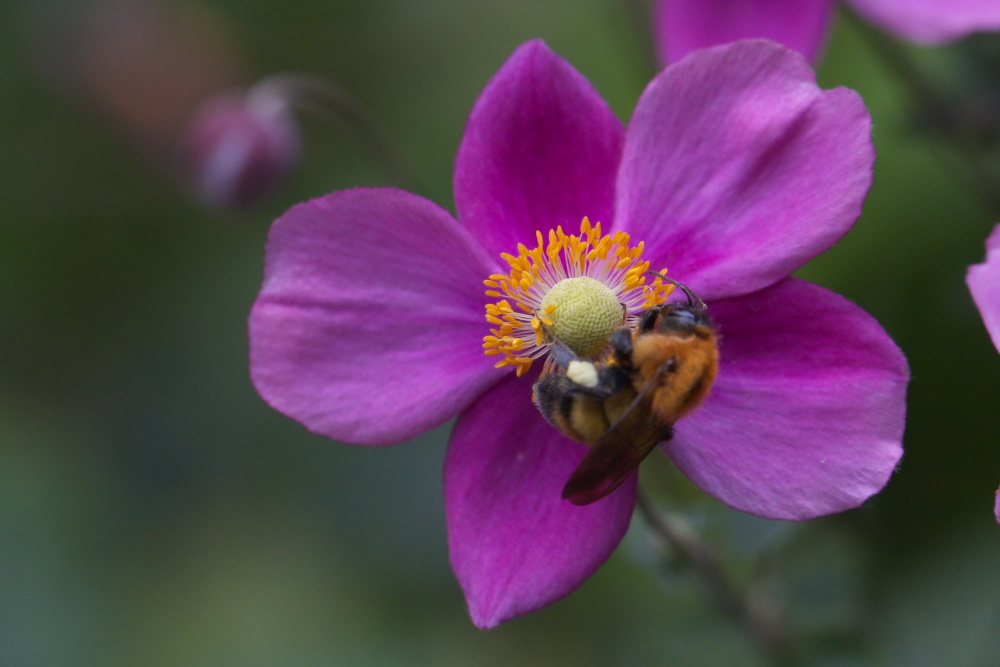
{"x": 154, "y": 511}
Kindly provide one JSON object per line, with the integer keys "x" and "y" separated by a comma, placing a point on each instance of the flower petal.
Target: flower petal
{"x": 685, "y": 25}
{"x": 806, "y": 417}
{"x": 931, "y": 21}
{"x": 996, "y": 508}
{"x": 369, "y": 325}
{"x": 738, "y": 169}
{"x": 516, "y": 546}
{"x": 541, "y": 149}
{"x": 984, "y": 283}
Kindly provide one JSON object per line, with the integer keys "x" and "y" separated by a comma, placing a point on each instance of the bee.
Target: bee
{"x": 626, "y": 403}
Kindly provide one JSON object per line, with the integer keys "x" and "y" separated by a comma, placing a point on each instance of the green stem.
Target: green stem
{"x": 760, "y": 617}
{"x": 315, "y": 95}
{"x": 640, "y": 15}
{"x": 974, "y": 162}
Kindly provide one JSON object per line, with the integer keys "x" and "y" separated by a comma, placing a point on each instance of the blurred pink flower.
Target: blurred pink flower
{"x": 735, "y": 170}
{"x": 240, "y": 146}
{"x": 984, "y": 283}
{"x": 681, "y": 26}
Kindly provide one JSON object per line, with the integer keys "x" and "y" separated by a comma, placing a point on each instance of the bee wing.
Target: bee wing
{"x": 619, "y": 452}
{"x": 607, "y": 466}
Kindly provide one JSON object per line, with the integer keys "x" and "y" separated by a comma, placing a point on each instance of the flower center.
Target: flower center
{"x": 585, "y": 313}
{"x": 577, "y": 289}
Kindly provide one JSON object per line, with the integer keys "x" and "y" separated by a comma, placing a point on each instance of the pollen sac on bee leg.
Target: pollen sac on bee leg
{"x": 583, "y": 373}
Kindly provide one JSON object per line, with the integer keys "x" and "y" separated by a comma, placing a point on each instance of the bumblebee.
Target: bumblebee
{"x": 626, "y": 403}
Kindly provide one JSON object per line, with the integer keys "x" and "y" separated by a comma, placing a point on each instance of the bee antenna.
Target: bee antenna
{"x": 693, "y": 299}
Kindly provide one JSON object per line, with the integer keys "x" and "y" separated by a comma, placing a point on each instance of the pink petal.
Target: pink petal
{"x": 541, "y": 149}
{"x": 516, "y": 546}
{"x": 806, "y": 417}
{"x": 931, "y": 21}
{"x": 681, "y": 26}
{"x": 996, "y": 508}
{"x": 738, "y": 169}
{"x": 984, "y": 282}
{"x": 368, "y": 328}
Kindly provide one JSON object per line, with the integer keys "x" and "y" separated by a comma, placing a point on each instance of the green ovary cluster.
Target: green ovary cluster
{"x": 586, "y": 313}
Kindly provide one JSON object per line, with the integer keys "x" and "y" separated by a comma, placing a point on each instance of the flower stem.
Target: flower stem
{"x": 970, "y": 156}
{"x": 640, "y": 15}
{"x": 760, "y": 617}
{"x": 315, "y": 95}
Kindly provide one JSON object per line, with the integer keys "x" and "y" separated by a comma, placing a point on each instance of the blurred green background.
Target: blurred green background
{"x": 154, "y": 511}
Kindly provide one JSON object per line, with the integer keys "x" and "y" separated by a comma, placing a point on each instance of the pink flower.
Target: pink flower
{"x": 984, "y": 283}
{"x": 735, "y": 170}
{"x": 240, "y": 146}
{"x": 682, "y": 26}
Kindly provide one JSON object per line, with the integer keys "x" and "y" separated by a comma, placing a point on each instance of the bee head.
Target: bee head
{"x": 674, "y": 316}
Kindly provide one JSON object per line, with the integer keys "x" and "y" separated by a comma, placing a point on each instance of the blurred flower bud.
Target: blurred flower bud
{"x": 240, "y": 146}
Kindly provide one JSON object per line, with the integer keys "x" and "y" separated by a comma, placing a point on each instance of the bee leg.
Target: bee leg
{"x": 562, "y": 355}
{"x": 648, "y": 321}
{"x": 621, "y": 347}
{"x": 621, "y": 341}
